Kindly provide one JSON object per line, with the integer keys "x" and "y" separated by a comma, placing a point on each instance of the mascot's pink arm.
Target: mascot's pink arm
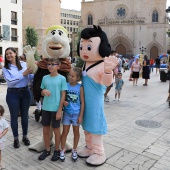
{"x": 99, "y": 76}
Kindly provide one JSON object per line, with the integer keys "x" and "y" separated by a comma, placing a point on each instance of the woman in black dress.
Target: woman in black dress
{"x": 146, "y": 70}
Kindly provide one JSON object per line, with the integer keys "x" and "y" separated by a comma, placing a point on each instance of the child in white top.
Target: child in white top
{"x": 3, "y": 130}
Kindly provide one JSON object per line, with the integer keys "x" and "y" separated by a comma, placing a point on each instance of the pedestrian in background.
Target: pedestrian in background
{"x": 22, "y": 58}
{"x": 119, "y": 84}
{"x": 18, "y": 96}
{"x": 157, "y": 64}
{"x": 136, "y": 66}
{"x": 73, "y": 112}
{"x": 151, "y": 64}
{"x": 129, "y": 65}
{"x": 3, "y": 130}
{"x": 106, "y": 98}
{"x": 146, "y": 70}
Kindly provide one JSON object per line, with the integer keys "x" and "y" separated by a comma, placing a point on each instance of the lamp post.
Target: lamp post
{"x": 142, "y": 49}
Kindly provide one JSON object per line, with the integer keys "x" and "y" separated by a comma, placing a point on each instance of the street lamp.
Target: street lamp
{"x": 142, "y": 49}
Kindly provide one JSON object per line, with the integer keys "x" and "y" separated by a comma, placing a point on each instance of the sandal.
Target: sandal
{"x": 44, "y": 155}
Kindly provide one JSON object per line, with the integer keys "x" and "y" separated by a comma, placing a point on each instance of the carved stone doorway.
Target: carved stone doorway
{"x": 121, "y": 49}
{"x": 154, "y": 52}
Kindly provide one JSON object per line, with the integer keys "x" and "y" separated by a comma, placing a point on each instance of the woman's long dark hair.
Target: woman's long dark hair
{"x": 7, "y": 62}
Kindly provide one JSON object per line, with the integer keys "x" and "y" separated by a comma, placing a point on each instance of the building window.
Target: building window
{"x": 13, "y": 18}
{"x": 14, "y": 1}
{"x": 90, "y": 19}
{"x": 155, "y": 16}
{"x": 0, "y": 14}
{"x": 67, "y": 22}
{"x": 14, "y": 36}
{"x": 71, "y": 29}
{"x": 61, "y": 21}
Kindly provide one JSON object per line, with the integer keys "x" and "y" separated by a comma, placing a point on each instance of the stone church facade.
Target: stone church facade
{"x": 132, "y": 26}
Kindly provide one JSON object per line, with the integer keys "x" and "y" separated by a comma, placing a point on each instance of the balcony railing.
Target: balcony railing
{"x": 14, "y": 38}
{"x": 14, "y": 21}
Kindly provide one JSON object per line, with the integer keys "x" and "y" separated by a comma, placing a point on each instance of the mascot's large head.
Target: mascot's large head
{"x": 56, "y": 43}
{"x": 93, "y": 45}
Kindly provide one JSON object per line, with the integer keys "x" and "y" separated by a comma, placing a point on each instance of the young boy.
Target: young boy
{"x": 54, "y": 88}
{"x": 119, "y": 84}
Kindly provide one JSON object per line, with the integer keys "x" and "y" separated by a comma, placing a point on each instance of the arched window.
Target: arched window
{"x": 90, "y": 20}
{"x": 155, "y": 16}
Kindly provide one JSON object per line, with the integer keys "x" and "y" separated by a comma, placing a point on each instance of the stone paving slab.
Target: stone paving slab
{"x": 128, "y": 146}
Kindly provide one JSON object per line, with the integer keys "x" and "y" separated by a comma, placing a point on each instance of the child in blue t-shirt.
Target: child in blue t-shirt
{"x": 119, "y": 84}
{"x": 73, "y": 111}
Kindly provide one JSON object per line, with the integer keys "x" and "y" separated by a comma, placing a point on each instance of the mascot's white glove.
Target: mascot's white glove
{"x": 29, "y": 52}
{"x": 109, "y": 64}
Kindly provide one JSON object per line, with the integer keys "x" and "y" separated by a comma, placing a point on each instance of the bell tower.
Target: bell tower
{"x": 40, "y": 14}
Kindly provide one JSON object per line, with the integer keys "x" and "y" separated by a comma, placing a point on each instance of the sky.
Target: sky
{"x": 76, "y": 4}
{"x": 71, "y": 4}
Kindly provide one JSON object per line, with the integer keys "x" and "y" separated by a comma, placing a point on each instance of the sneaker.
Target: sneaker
{"x": 114, "y": 99}
{"x": 56, "y": 156}
{"x": 106, "y": 99}
{"x": 62, "y": 155}
{"x": 26, "y": 141}
{"x": 16, "y": 143}
{"x": 44, "y": 155}
{"x": 74, "y": 155}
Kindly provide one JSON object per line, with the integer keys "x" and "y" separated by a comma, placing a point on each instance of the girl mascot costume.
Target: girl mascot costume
{"x": 56, "y": 45}
{"x": 94, "y": 50}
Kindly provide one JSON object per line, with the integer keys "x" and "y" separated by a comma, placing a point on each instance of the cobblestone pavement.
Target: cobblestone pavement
{"x": 138, "y": 132}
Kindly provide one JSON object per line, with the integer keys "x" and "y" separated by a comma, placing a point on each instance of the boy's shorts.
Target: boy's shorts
{"x": 69, "y": 119}
{"x": 118, "y": 91}
{"x": 49, "y": 118}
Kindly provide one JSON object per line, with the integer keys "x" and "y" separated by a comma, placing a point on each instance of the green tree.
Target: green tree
{"x": 31, "y": 37}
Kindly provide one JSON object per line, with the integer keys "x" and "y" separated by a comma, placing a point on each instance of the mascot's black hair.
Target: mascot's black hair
{"x": 104, "y": 47}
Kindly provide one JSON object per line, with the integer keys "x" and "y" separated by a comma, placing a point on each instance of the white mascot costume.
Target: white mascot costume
{"x": 56, "y": 45}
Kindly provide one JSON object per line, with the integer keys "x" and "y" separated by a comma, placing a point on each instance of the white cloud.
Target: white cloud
{"x": 71, "y": 4}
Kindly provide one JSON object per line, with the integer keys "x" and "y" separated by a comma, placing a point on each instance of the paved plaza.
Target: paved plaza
{"x": 138, "y": 132}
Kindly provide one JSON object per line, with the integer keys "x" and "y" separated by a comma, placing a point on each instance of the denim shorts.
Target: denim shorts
{"x": 118, "y": 91}
{"x": 69, "y": 119}
{"x": 49, "y": 118}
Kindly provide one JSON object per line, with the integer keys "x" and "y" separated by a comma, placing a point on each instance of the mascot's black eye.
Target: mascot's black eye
{"x": 60, "y": 32}
{"x": 89, "y": 47}
{"x": 81, "y": 47}
{"x": 53, "y": 32}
